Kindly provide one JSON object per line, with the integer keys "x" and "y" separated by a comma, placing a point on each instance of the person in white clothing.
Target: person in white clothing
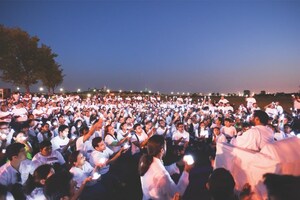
{"x": 84, "y": 142}
{"x": 47, "y": 156}
{"x": 17, "y": 169}
{"x": 180, "y": 136}
{"x": 34, "y": 185}
{"x": 61, "y": 142}
{"x": 228, "y": 130}
{"x": 101, "y": 156}
{"x": 218, "y": 136}
{"x": 139, "y": 139}
{"x": 81, "y": 169}
{"x": 111, "y": 139}
{"x": 258, "y": 136}
{"x": 250, "y": 101}
{"x": 155, "y": 179}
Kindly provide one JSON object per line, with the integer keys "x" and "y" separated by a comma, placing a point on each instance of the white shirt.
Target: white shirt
{"x": 111, "y": 142}
{"x": 9, "y": 175}
{"x": 158, "y": 184}
{"x": 86, "y": 148}
{"x": 58, "y": 143}
{"x": 96, "y": 157}
{"x": 220, "y": 138}
{"x": 177, "y": 135}
{"x": 141, "y": 138}
{"x": 54, "y": 157}
{"x": 255, "y": 138}
{"x": 79, "y": 175}
{"x": 279, "y": 135}
{"x": 228, "y": 131}
{"x": 37, "y": 194}
{"x": 161, "y": 131}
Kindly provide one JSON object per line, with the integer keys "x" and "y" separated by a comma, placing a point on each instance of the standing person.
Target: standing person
{"x": 296, "y": 101}
{"x": 155, "y": 179}
{"x": 250, "y": 101}
{"x": 258, "y": 136}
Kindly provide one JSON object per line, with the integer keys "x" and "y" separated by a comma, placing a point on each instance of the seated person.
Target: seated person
{"x": 47, "y": 156}
{"x": 17, "y": 169}
{"x": 35, "y": 183}
{"x": 61, "y": 186}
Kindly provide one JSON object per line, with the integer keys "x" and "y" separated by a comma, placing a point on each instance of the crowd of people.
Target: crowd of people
{"x": 109, "y": 147}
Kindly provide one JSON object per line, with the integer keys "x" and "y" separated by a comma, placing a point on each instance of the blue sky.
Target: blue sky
{"x": 180, "y": 46}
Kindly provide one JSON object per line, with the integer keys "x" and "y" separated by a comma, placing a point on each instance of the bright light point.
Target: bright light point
{"x": 120, "y": 91}
{"x": 183, "y": 93}
{"x": 130, "y": 91}
{"x": 172, "y": 92}
{"x": 177, "y": 92}
{"x": 18, "y": 88}
{"x": 107, "y": 91}
{"x": 78, "y": 90}
{"x": 209, "y": 94}
{"x": 61, "y": 89}
{"x": 94, "y": 90}
{"x": 188, "y": 159}
{"x": 88, "y": 95}
{"x": 188, "y": 93}
{"x": 141, "y": 91}
{"x": 150, "y": 92}
{"x": 41, "y": 89}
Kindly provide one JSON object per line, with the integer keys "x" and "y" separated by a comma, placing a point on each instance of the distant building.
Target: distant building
{"x": 4, "y": 93}
{"x": 263, "y": 92}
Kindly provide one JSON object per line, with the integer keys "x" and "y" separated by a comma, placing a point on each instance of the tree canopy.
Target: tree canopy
{"x": 24, "y": 62}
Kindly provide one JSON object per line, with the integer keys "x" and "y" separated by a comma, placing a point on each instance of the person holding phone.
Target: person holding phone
{"x": 155, "y": 179}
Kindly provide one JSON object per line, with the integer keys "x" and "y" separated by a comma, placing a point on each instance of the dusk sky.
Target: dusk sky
{"x": 180, "y": 46}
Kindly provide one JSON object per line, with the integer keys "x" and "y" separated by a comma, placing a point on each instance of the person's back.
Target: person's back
{"x": 282, "y": 187}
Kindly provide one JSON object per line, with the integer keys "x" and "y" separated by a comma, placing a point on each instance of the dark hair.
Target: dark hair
{"x": 106, "y": 130}
{"x": 13, "y": 150}
{"x": 61, "y": 128}
{"x": 221, "y": 184}
{"x": 262, "y": 116}
{"x": 82, "y": 129}
{"x": 33, "y": 181}
{"x": 228, "y": 120}
{"x": 178, "y": 124}
{"x": 96, "y": 141}
{"x": 136, "y": 125}
{"x": 283, "y": 187}
{"x": 58, "y": 185}
{"x": 154, "y": 146}
{"x": 45, "y": 143}
{"x": 73, "y": 158}
{"x": 122, "y": 124}
{"x": 3, "y": 191}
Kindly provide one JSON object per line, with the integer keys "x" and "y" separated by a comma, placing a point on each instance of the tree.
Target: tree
{"x": 51, "y": 74}
{"x": 23, "y": 62}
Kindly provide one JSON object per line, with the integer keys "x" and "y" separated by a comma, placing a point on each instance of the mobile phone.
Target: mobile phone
{"x": 188, "y": 159}
{"x": 96, "y": 176}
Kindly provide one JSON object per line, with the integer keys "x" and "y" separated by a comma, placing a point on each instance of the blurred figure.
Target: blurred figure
{"x": 282, "y": 187}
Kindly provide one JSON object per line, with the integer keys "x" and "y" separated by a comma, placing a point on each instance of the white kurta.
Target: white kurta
{"x": 158, "y": 184}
